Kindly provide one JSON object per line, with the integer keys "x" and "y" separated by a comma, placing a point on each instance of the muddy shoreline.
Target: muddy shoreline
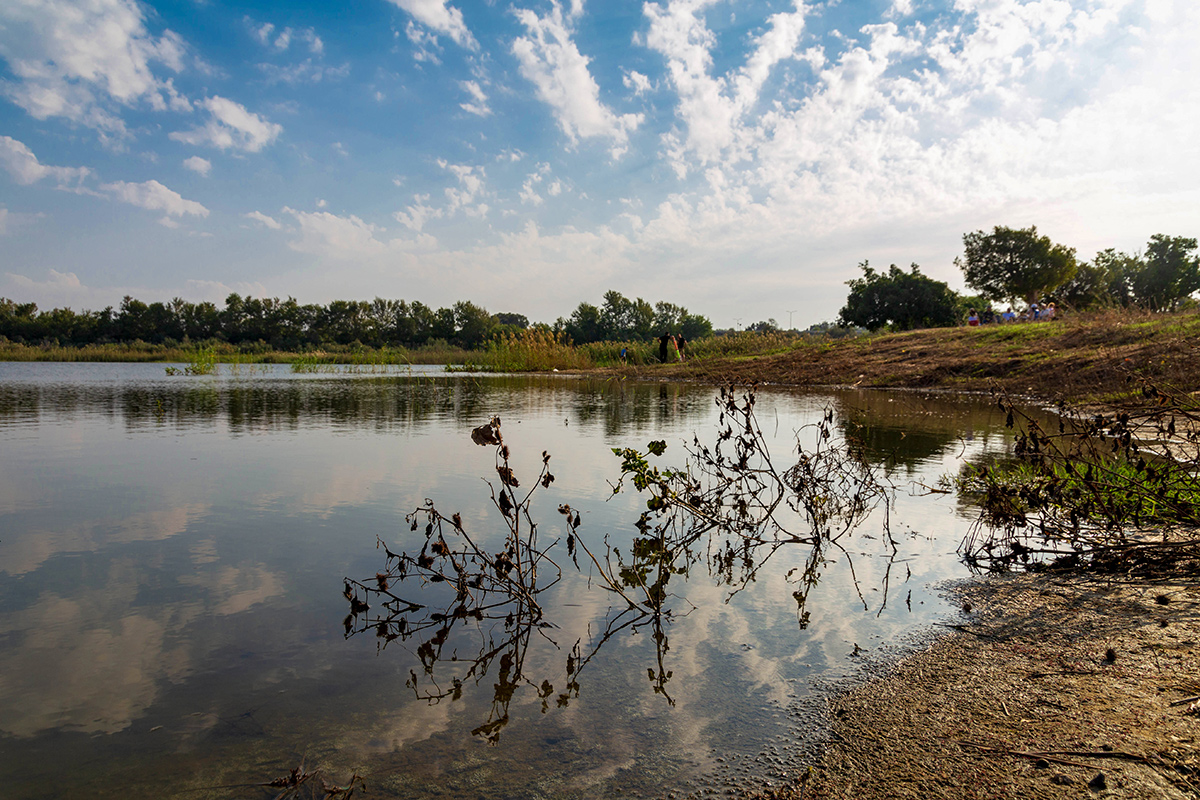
{"x": 1049, "y": 688}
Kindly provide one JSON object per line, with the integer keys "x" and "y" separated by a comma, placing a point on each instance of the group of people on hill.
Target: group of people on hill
{"x": 1034, "y": 313}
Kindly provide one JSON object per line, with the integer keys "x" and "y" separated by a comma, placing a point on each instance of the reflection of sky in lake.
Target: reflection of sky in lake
{"x": 173, "y": 550}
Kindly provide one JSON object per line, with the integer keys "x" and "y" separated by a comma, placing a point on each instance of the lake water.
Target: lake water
{"x": 173, "y": 552}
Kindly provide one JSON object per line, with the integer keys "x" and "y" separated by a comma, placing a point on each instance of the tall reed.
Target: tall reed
{"x": 529, "y": 350}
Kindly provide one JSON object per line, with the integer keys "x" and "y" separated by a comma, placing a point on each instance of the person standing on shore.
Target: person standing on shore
{"x": 662, "y": 347}
{"x": 682, "y": 343}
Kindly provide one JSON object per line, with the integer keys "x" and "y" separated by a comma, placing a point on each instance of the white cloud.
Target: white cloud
{"x": 306, "y": 71}
{"x": 478, "y": 105}
{"x": 25, "y": 168}
{"x": 470, "y": 188}
{"x": 328, "y": 234}
{"x": 57, "y": 282}
{"x": 636, "y": 81}
{"x": 201, "y": 166}
{"x": 445, "y": 19}
{"x": 528, "y": 193}
{"x": 84, "y": 61}
{"x": 426, "y": 43}
{"x": 153, "y": 196}
{"x": 263, "y": 219}
{"x": 416, "y": 215}
{"x": 346, "y": 238}
{"x": 266, "y": 35}
{"x": 550, "y": 60}
{"x": 262, "y": 32}
{"x": 462, "y": 198}
{"x": 713, "y": 109}
{"x": 315, "y": 45}
{"x": 230, "y": 125}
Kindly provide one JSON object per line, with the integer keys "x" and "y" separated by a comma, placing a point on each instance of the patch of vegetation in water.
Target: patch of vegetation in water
{"x": 1106, "y": 492}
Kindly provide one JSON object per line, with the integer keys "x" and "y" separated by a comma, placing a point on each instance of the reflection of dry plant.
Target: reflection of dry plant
{"x": 732, "y": 499}
{"x": 1113, "y": 493}
{"x": 730, "y": 506}
{"x": 299, "y": 782}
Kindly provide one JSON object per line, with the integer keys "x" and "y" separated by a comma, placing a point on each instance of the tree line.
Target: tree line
{"x": 1017, "y": 266}
{"x": 290, "y": 325}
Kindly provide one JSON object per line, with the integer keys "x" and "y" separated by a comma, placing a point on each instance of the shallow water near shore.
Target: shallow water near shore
{"x": 173, "y": 551}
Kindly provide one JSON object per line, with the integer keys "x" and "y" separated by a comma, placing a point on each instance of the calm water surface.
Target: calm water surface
{"x": 173, "y": 549}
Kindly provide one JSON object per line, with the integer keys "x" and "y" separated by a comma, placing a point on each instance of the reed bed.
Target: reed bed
{"x": 529, "y": 350}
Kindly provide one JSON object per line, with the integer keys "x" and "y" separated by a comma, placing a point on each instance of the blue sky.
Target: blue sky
{"x": 738, "y": 158}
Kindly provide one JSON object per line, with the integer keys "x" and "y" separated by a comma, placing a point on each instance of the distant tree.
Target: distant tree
{"x": 1170, "y": 272}
{"x": 769, "y": 326}
{"x": 132, "y": 321}
{"x": 694, "y": 326}
{"x": 473, "y": 323}
{"x": 583, "y": 326}
{"x": 899, "y": 299}
{"x": 1015, "y": 263}
{"x": 622, "y": 319}
{"x": 516, "y": 320}
{"x": 1103, "y": 282}
{"x": 444, "y": 324}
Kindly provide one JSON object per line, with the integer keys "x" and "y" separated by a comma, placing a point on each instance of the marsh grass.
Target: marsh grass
{"x": 528, "y": 350}
{"x": 217, "y": 352}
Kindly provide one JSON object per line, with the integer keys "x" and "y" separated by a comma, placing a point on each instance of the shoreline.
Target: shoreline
{"x": 1023, "y": 700}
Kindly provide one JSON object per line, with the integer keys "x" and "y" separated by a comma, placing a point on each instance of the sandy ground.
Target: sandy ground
{"x": 1048, "y": 689}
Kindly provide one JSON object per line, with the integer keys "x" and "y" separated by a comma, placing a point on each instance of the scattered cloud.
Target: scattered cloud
{"x": 23, "y": 165}
{"x": 551, "y": 61}
{"x": 470, "y": 188}
{"x": 713, "y": 110}
{"x": 638, "y": 82}
{"x": 425, "y": 43}
{"x": 307, "y": 71}
{"x": 230, "y": 126}
{"x": 442, "y": 18}
{"x": 56, "y": 281}
{"x": 347, "y": 237}
{"x": 528, "y": 193}
{"x": 86, "y": 62}
{"x": 153, "y": 196}
{"x": 201, "y": 166}
{"x": 416, "y": 215}
{"x": 478, "y": 104}
{"x": 264, "y": 220}
{"x": 280, "y": 39}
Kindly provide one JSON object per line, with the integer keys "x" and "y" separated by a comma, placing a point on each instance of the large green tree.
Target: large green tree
{"x": 900, "y": 300}
{"x": 1015, "y": 263}
{"x": 1103, "y": 282}
{"x": 1170, "y": 272}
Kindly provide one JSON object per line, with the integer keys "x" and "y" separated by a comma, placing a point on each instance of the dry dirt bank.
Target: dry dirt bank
{"x": 1049, "y": 689}
{"x": 1087, "y": 358}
